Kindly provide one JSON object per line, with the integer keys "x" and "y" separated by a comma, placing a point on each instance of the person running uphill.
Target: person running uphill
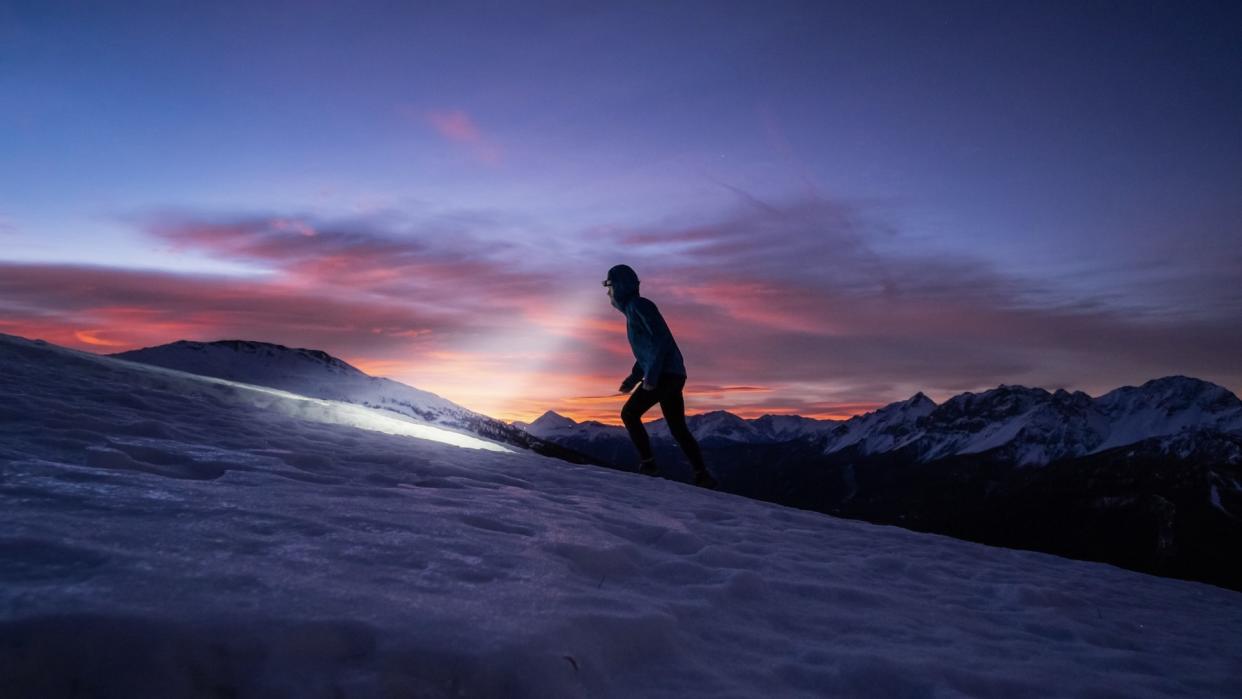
{"x": 659, "y": 369}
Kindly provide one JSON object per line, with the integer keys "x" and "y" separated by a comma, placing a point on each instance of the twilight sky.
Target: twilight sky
{"x": 835, "y": 205}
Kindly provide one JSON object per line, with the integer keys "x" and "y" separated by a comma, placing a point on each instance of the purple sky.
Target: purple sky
{"x": 834, "y": 204}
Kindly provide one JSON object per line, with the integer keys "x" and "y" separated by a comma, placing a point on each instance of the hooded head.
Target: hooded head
{"x": 624, "y": 283}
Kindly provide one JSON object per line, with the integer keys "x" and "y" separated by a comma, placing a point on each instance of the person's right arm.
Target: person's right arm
{"x": 636, "y": 375}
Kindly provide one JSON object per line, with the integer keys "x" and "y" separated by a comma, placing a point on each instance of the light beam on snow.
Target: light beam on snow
{"x": 375, "y": 420}
{"x": 336, "y": 412}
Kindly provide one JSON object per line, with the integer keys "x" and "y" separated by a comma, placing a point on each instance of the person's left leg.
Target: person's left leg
{"x": 639, "y": 402}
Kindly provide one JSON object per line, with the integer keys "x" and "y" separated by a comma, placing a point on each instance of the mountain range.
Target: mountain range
{"x": 1023, "y": 426}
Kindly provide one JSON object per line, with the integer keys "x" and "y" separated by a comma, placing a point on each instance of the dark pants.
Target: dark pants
{"x": 668, "y": 394}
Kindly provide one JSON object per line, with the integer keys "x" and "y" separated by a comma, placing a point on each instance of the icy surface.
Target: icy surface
{"x": 166, "y": 535}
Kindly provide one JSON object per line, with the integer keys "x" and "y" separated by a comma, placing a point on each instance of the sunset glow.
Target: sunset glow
{"x": 834, "y": 207}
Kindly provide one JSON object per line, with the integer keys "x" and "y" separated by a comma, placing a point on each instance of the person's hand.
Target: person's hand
{"x": 649, "y": 384}
{"x": 628, "y": 385}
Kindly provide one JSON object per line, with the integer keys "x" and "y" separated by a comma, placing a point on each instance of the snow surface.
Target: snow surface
{"x": 166, "y": 535}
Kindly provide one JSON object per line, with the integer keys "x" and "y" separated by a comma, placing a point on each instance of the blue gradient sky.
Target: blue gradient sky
{"x": 1070, "y": 165}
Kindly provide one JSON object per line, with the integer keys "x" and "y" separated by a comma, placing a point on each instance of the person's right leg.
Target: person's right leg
{"x": 640, "y": 401}
{"x": 674, "y": 406}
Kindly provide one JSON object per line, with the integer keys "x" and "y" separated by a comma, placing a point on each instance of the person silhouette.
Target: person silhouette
{"x": 659, "y": 373}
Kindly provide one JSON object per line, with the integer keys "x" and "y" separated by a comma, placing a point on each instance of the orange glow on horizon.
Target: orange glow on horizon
{"x": 379, "y": 367}
{"x": 466, "y": 378}
{"x": 613, "y": 417}
{"x": 91, "y": 337}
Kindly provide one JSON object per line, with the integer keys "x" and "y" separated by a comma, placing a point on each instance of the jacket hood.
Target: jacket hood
{"x": 624, "y": 285}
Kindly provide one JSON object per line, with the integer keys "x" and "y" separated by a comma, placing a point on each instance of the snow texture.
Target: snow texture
{"x": 162, "y": 534}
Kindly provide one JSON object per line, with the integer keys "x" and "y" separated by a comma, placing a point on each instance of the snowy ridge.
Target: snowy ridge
{"x": 304, "y": 371}
{"x": 1030, "y": 426}
{"x": 885, "y": 429}
{"x": 316, "y": 373}
{"x": 162, "y": 533}
{"x": 783, "y": 428}
{"x": 1165, "y": 407}
{"x": 718, "y": 426}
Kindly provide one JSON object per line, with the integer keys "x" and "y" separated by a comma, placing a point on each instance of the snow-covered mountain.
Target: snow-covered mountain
{"x": 553, "y": 425}
{"x": 1014, "y": 424}
{"x": 318, "y": 374}
{"x": 164, "y": 534}
{"x": 883, "y": 429}
{"x": 783, "y": 428}
{"x": 1167, "y": 406}
{"x": 1030, "y": 426}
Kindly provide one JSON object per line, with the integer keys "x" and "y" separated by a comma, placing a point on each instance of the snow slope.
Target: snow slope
{"x": 304, "y": 371}
{"x": 317, "y": 374}
{"x": 163, "y": 534}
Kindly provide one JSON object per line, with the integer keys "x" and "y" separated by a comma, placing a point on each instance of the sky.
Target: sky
{"x": 834, "y": 205}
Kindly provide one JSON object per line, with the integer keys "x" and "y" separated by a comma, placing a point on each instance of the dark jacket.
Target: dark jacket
{"x": 651, "y": 341}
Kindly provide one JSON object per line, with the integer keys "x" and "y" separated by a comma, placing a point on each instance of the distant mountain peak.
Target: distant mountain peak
{"x": 918, "y": 400}
{"x": 1183, "y": 385}
{"x": 1006, "y": 398}
{"x": 1172, "y": 392}
{"x": 551, "y": 419}
{"x": 918, "y": 403}
{"x": 719, "y": 416}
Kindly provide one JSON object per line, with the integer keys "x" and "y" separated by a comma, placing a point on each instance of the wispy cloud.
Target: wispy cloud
{"x": 103, "y": 307}
{"x": 812, "y": 292}
{"x": 812, "y": 306}
{"x": 458, "y": 127}
{"x": 437, "y": 265}
{"x": 426, "y": 302}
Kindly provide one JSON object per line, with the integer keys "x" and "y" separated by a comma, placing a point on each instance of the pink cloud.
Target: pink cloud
{"x": 800, "y": 295}
{"x": 458, "y": 127}
{"x": 434, "y": 266}
{"x": 95, "y": 307}
{"x": 776, "y": 308}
